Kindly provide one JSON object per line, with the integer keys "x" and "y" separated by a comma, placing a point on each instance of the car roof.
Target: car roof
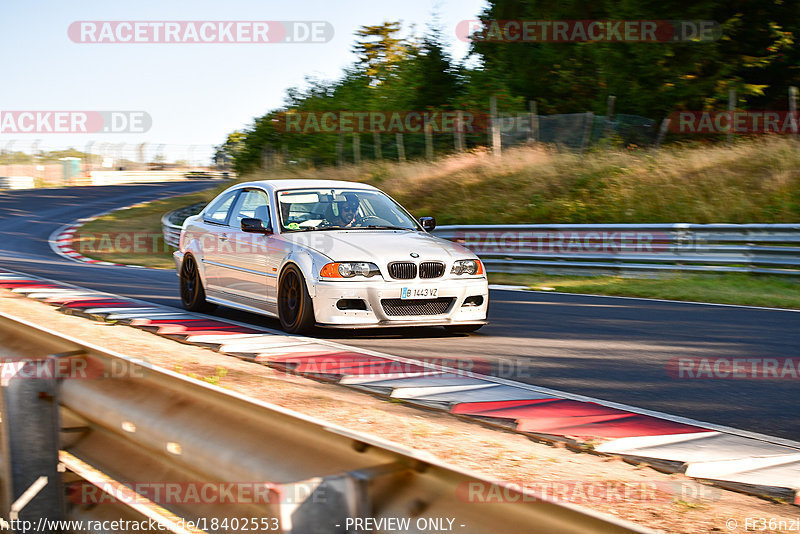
{"x": 278, "y": 185}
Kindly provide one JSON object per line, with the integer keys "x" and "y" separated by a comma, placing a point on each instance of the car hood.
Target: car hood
{"x": 379, "y": 246}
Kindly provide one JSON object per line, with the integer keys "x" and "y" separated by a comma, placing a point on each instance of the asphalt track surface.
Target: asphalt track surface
{"x": 612, "y": 349}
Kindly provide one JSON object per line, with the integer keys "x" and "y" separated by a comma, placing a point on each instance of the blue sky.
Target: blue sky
{"x": 195, "y": 93}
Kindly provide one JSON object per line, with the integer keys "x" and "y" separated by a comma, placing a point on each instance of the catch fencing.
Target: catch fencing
{"x": 577, "y": 131}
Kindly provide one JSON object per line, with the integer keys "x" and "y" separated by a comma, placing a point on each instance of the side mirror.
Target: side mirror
{"x": 428, "y": 223}
{"x": 254, "y": 226}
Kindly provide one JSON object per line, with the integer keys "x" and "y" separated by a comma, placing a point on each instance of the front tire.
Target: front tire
{"x": 193, "y": 295}
{"x": 295, "y": 309}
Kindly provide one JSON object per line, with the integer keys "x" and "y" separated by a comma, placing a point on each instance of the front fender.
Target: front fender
{"x": 308, "y": 265}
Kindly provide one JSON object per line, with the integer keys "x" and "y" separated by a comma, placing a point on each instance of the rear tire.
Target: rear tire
{"x": 295, "y": 308}
{"x": 193, "y": 295}
{"x": 462, "y": 328}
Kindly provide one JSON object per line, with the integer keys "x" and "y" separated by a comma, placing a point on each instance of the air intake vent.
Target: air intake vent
{"x": 399, "y": 307}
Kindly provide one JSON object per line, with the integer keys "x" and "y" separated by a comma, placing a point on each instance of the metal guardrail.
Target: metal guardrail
{"x": 171, "y": 232}
{"x": 144, "y": 177}
{"x": 17, "y": 182}
{"x": 582, "y": 248}
{"x": 559, "y": 248}
{"x": 105, "y": 418}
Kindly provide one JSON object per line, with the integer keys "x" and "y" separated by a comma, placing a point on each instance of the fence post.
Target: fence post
{"x": 494, "y": 126}
{"x": 662, "y": 132}
{"x": 141, "y": 155}
{"x": 190, "y": 159}
{"x": 267, "y": 157}
{"x": 159, "y": 154}
{"x": 731, "y": 109}
{"x": 533, "y": 133}
{"x": 588, "y": 126}
{"x": 356, "y": 148}
{"x": 376, "y": 141}
{"x": 88, "y": 165}
{"x": 35, "y": 157}
{"x": 340, "y": 149}
{"x": 8, "y": 152}
{"x": 401, "y": 148}
{"x": 610, "y": 113}
{"x": 32, "y": 488}
{"x": 458, "y": 134}
{"x": 793, "y": 110}
{"x": 428, "y": 141}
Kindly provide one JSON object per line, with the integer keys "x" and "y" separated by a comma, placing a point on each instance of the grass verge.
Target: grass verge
{"x": 751, "y": 181}
{"x": 133, "y": 236}
{"x": 722, "y": 288}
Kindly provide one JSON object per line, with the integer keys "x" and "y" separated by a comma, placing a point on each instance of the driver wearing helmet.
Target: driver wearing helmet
{"x": 348, "y": 213}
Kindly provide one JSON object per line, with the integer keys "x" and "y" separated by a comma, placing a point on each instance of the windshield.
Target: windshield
{"x": 346, "y": 209}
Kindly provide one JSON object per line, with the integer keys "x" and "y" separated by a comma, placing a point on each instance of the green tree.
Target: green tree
{"x": 755, "y": 55}
{"x": 230, "y": 149}
{"x": 379, "y": 49}
{"x": 438, "y": 83}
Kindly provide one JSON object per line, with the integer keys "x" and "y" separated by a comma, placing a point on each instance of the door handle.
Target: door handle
{"x": 223, "y": 237}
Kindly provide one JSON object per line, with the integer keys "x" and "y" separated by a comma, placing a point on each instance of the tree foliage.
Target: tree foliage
{"x": 379, "y": 49}
{"x": 755, "y": 55}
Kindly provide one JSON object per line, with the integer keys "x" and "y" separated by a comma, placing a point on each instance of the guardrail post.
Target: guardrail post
{"x": 329, "y": 505}
{"x": 29, "y": 437}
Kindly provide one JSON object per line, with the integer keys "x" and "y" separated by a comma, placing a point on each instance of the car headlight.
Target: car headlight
{"x": 349, "y": 269}
{"x": 467, "y": 267}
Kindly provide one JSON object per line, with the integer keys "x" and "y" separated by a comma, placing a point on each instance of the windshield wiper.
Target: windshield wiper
{"x": 316, "y": 229}
{"x": 370, "y": 227}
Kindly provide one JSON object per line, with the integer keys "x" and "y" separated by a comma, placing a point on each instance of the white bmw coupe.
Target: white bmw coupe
{"x": 327, "y": 253}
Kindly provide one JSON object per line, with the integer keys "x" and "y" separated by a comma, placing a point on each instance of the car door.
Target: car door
{"x": 215, "y": 235}
{"x": 245, "y": 274}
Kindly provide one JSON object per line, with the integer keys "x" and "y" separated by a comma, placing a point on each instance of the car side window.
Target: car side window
{"x": 218, "y": 211}
{"x": 251, "y": 204}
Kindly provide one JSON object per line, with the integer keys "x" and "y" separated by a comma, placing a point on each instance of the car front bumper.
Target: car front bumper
{"x": 327, "y": 295}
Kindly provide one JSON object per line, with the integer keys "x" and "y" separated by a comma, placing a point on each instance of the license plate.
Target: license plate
{"x": 419, "y": 293}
